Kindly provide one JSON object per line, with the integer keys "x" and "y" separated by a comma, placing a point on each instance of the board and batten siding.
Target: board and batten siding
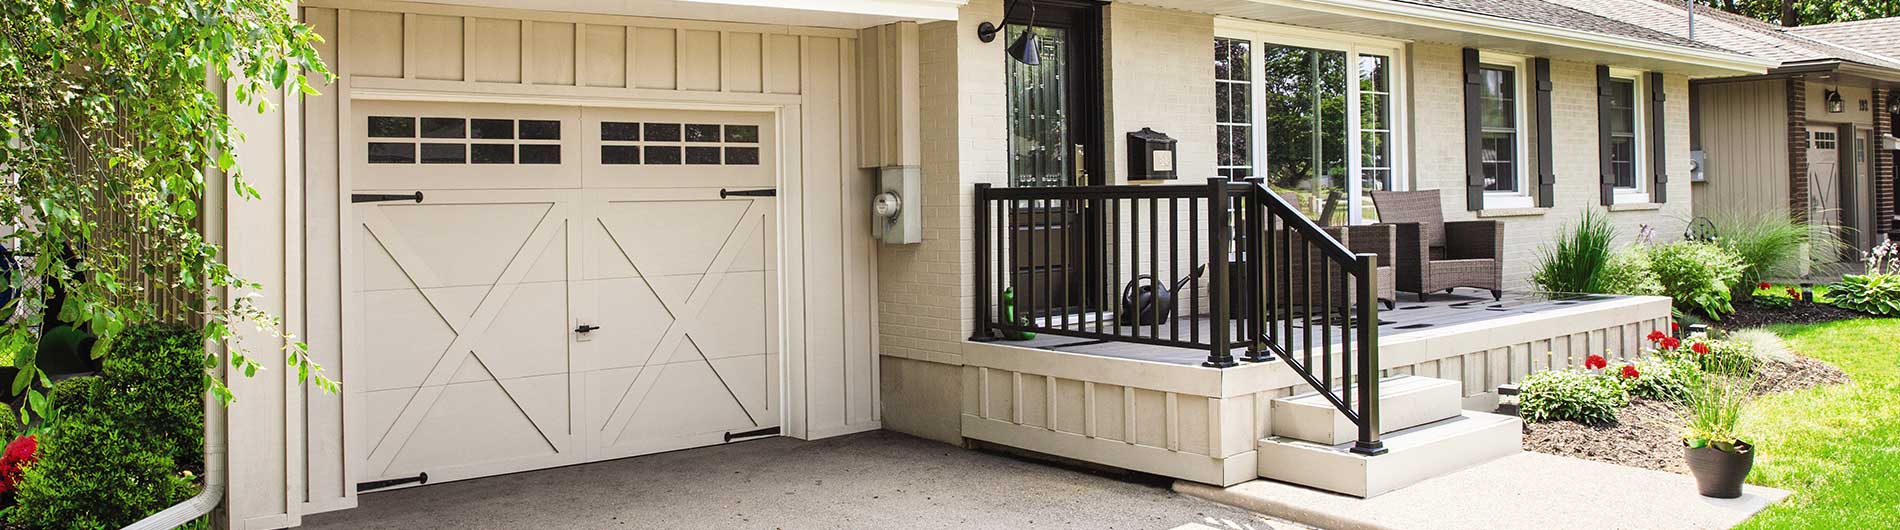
{"x": 290, "y": 449}
{"x": 1743, "y": 129}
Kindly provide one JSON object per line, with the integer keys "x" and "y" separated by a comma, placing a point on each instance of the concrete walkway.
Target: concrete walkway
{"x": 869, "y": 480}
{"x": 1525, "y": 490}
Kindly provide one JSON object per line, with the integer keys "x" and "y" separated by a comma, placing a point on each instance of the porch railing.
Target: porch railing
{"x": 1229, "y": 268}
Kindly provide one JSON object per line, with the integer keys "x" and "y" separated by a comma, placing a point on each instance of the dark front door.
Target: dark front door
{"x": 1055, "y": 139}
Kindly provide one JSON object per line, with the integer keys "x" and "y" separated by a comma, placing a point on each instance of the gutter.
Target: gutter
{"x": 1483, "y": 24}
{"x": 213, "y": 494}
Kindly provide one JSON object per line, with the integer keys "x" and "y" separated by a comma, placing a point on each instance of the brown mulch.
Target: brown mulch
{"x": 1750, "y": 315}
{"x": 1648, "y": 433}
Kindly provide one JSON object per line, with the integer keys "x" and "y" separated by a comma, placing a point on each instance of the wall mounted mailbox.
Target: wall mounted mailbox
{"x": 1150, "y": 155}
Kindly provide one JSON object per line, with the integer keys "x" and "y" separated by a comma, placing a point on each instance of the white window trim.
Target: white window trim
{"x": 1259, "y": 34}
{"x": 1520, "y": 69}
{"x": 1639, "y": 98}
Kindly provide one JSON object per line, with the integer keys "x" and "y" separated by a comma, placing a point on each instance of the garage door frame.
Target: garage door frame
{"x": 785, "y": 110}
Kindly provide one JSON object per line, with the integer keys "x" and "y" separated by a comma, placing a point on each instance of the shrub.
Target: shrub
{"x": 1629, "y": 273}
{"x": 1561, "y": 395}
{"x": 1878, "y": 291}
{"x": 1655, "y": 377}
{"x": 1771, "y": 243}
{"x": 1697, "y": 275}
{"x": 118, "y": 442}
{"x": 1579, "y": 259}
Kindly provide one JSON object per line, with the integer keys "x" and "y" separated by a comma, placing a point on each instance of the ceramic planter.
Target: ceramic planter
{"x": 1719, "y": 473}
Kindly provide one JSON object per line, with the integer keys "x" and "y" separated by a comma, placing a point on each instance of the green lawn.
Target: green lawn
{"x": 1837, "y": 448}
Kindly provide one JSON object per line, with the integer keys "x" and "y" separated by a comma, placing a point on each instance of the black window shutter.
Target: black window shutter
{"x": 1546, "y": 170}
{"x": 1607, "y": 177}
{"x": 1474, "y": 124}
{"x": 1659, "y": 144}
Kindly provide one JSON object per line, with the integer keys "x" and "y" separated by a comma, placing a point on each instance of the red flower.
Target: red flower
{"x": 1794, "y": 294}
{"x": 1629, "y": 371}
{"x": 1675, "y": 327}
{"x": 1595, "y": 362}
{"x": 1671, "y": 343}
{"x": 13, "y": 461}
{"x": 1763, "y": 285}
{"x": 1657, "y": 336}
{"x": 1701, "y": 348}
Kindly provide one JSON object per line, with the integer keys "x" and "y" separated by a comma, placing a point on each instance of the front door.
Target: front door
{"x": 1055, "y": 139}
{"x": 542, "y": 286}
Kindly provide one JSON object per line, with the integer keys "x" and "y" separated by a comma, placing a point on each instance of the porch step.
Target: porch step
{"x": 1412, "y": 455}
{"x": 1405, "y": 401}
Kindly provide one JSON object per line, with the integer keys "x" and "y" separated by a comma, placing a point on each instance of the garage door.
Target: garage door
{"x": 574, "y": 285}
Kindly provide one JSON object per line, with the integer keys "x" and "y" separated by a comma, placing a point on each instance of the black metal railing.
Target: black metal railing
{"x": 1128, "y": 263}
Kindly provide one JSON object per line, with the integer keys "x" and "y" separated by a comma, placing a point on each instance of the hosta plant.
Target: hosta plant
{"x": 1878, "y": 291}
{"x": 1568, "y": 395}
{"x": 1655, "y": 377}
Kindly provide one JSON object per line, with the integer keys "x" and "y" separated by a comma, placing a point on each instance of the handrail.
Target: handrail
{"x": 1053, "y": 260}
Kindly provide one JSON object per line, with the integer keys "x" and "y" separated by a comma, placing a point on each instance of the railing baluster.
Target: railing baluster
{"x": 1154, "y": 264}
{"x": 1174, "y": 265}
{"x": 1326, "y": 326}
{"x": 1194, "y": 253}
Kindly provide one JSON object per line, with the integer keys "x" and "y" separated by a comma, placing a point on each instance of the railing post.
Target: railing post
{"x": 1221, "y": 353}
{"x": 1254, "y": 245}
{"x": 982, "y": 284}
{"x": 1368, "y": 370}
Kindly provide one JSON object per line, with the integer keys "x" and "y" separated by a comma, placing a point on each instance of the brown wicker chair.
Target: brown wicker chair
{"x": 1434, "y": 255}
{"x": 1366, "y": 239}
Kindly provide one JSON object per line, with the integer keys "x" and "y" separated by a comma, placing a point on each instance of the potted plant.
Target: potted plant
{"x": 1713, "y": 445}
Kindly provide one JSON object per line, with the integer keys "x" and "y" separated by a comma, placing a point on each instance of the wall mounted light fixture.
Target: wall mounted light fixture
{"x": 1024, "y": 49}
{"x": 1893, "y": 103}
{"x": 1834, "y": 102}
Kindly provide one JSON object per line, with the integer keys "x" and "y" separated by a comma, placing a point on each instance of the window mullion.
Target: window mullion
{"x": 1355, "y": 138}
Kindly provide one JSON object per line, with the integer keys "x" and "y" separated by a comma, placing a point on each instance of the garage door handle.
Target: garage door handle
{"x": 583, "y": 328}
{"x": 385, "y": 197}
{"x": 767, "y": 192}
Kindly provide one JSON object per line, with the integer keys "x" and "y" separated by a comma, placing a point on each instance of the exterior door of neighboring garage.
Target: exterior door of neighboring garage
{"x": 572, "y": 284}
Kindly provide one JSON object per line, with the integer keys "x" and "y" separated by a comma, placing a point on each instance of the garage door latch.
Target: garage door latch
{"x": 385, "y": 197}
{"x": 768, "y": 431}
{"x": 764, "y": 192}
{"x": 420, "y": 478}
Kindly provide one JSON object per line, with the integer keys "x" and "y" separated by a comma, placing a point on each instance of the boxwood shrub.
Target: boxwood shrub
{"x": 1566, "y": 395}
{"x": 120, "y": 445}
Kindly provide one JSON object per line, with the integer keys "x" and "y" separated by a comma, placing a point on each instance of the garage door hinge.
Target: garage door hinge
{"x": 385, "y": 197}
{"x": 768, "y": 431}
{"x": 766, "y": 192}
{"x": 420, "y": 478}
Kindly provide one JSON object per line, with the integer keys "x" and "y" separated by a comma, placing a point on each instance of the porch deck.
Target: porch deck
{"x": 1441, "y": 311}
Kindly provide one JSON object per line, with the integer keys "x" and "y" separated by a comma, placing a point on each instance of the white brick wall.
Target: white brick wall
{"x": 1438, "y": 144}
{"x": 1159, "y": 73}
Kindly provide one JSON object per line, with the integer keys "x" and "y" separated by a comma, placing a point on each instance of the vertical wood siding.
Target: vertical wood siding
{"x": 1745, "y": 137}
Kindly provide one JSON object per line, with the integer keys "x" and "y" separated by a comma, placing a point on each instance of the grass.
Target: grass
{"x": 1836, "y": 447}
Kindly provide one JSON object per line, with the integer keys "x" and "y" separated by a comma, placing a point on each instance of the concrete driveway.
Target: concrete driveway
{"x": 870, "y": 480}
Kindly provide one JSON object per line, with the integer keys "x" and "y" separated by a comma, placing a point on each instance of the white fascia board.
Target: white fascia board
{"x": 1515, "y": 29}
{"x": 919, "y": 10}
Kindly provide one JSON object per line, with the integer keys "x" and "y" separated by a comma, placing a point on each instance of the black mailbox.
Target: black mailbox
{"x": 1150, "y": 155}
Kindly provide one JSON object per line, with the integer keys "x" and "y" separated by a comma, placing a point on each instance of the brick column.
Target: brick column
{"x": 1798, "y": 148}
{"x": 1884, "y": 176}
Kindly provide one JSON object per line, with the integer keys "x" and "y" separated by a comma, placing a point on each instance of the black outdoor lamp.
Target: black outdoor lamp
{"x": 1893, "y": 103}
{"x": 1024, "y": 49}
{"x": 1834, "y": 102}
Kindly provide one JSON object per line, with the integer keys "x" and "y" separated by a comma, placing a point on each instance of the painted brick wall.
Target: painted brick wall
{"x": 1438, "y": 161}
{"x": 1158, "y": 72}
{"x": 1798, "y": 148}
{"x": 1883, "y": 166}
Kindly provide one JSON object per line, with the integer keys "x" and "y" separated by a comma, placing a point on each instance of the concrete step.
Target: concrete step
{"x": 1412, "y": 455}
{"x": 1405, "y": 401}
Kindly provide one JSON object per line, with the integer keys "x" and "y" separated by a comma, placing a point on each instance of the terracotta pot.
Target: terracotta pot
{"x": 1719, "y": 473}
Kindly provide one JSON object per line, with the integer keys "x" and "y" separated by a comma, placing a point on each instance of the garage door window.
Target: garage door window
{"x": 456, "y": 140}
{"x": 657, "y": 144}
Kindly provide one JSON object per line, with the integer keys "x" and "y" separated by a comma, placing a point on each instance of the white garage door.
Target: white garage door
{"x": 572, "y": 286}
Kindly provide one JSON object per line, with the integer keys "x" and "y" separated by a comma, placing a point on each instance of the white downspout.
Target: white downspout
{"x": 206, "y": 501}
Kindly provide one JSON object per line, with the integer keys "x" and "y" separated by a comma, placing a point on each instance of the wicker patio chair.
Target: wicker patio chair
{"x": 1368, "y": 239}
{"x": 1434, "y": 255}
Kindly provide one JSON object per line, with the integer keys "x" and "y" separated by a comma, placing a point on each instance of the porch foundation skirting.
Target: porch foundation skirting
{"x": 1203, "y": 424}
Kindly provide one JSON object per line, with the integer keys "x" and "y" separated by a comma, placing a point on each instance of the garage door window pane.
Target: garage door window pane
{"x": 392, "y": 153}
{"x": 540, "y": 154}
{"x": 392, "y": 127}
{"x": 742, "y": 156}
{"x": 702, "y": 155}
{"x": 662, "y": 132}
{"x": 661, "y": 154}
{"x": 619, "y": 154}
{"x": 742, "y": 133}
{"x": 444, "y": 153}
{"x": 492, "y": 129}
{"x": 444, "y": 128}
{"x": 492, "y": 153}
{"x": 615, "y": 131}
{"x": 540, "y": 130}
{"x": 702, "y": 133}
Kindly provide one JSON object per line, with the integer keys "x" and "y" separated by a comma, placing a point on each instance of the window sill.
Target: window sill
{"x": 1635, "y": 206}
{"x": 1508, "y": 201}
{"x": 1488, "y": 213}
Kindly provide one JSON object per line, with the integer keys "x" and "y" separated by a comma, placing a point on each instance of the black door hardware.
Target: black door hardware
{"x": 583, "y": 328}
{"x": 420, "y": 478}
{"x": 768, "y": 431}
{"x": 385, "y": 197}
{"x": 767, "y": 192}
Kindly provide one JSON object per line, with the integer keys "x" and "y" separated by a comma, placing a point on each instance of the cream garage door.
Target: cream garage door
{"x": 574, "y": 285}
